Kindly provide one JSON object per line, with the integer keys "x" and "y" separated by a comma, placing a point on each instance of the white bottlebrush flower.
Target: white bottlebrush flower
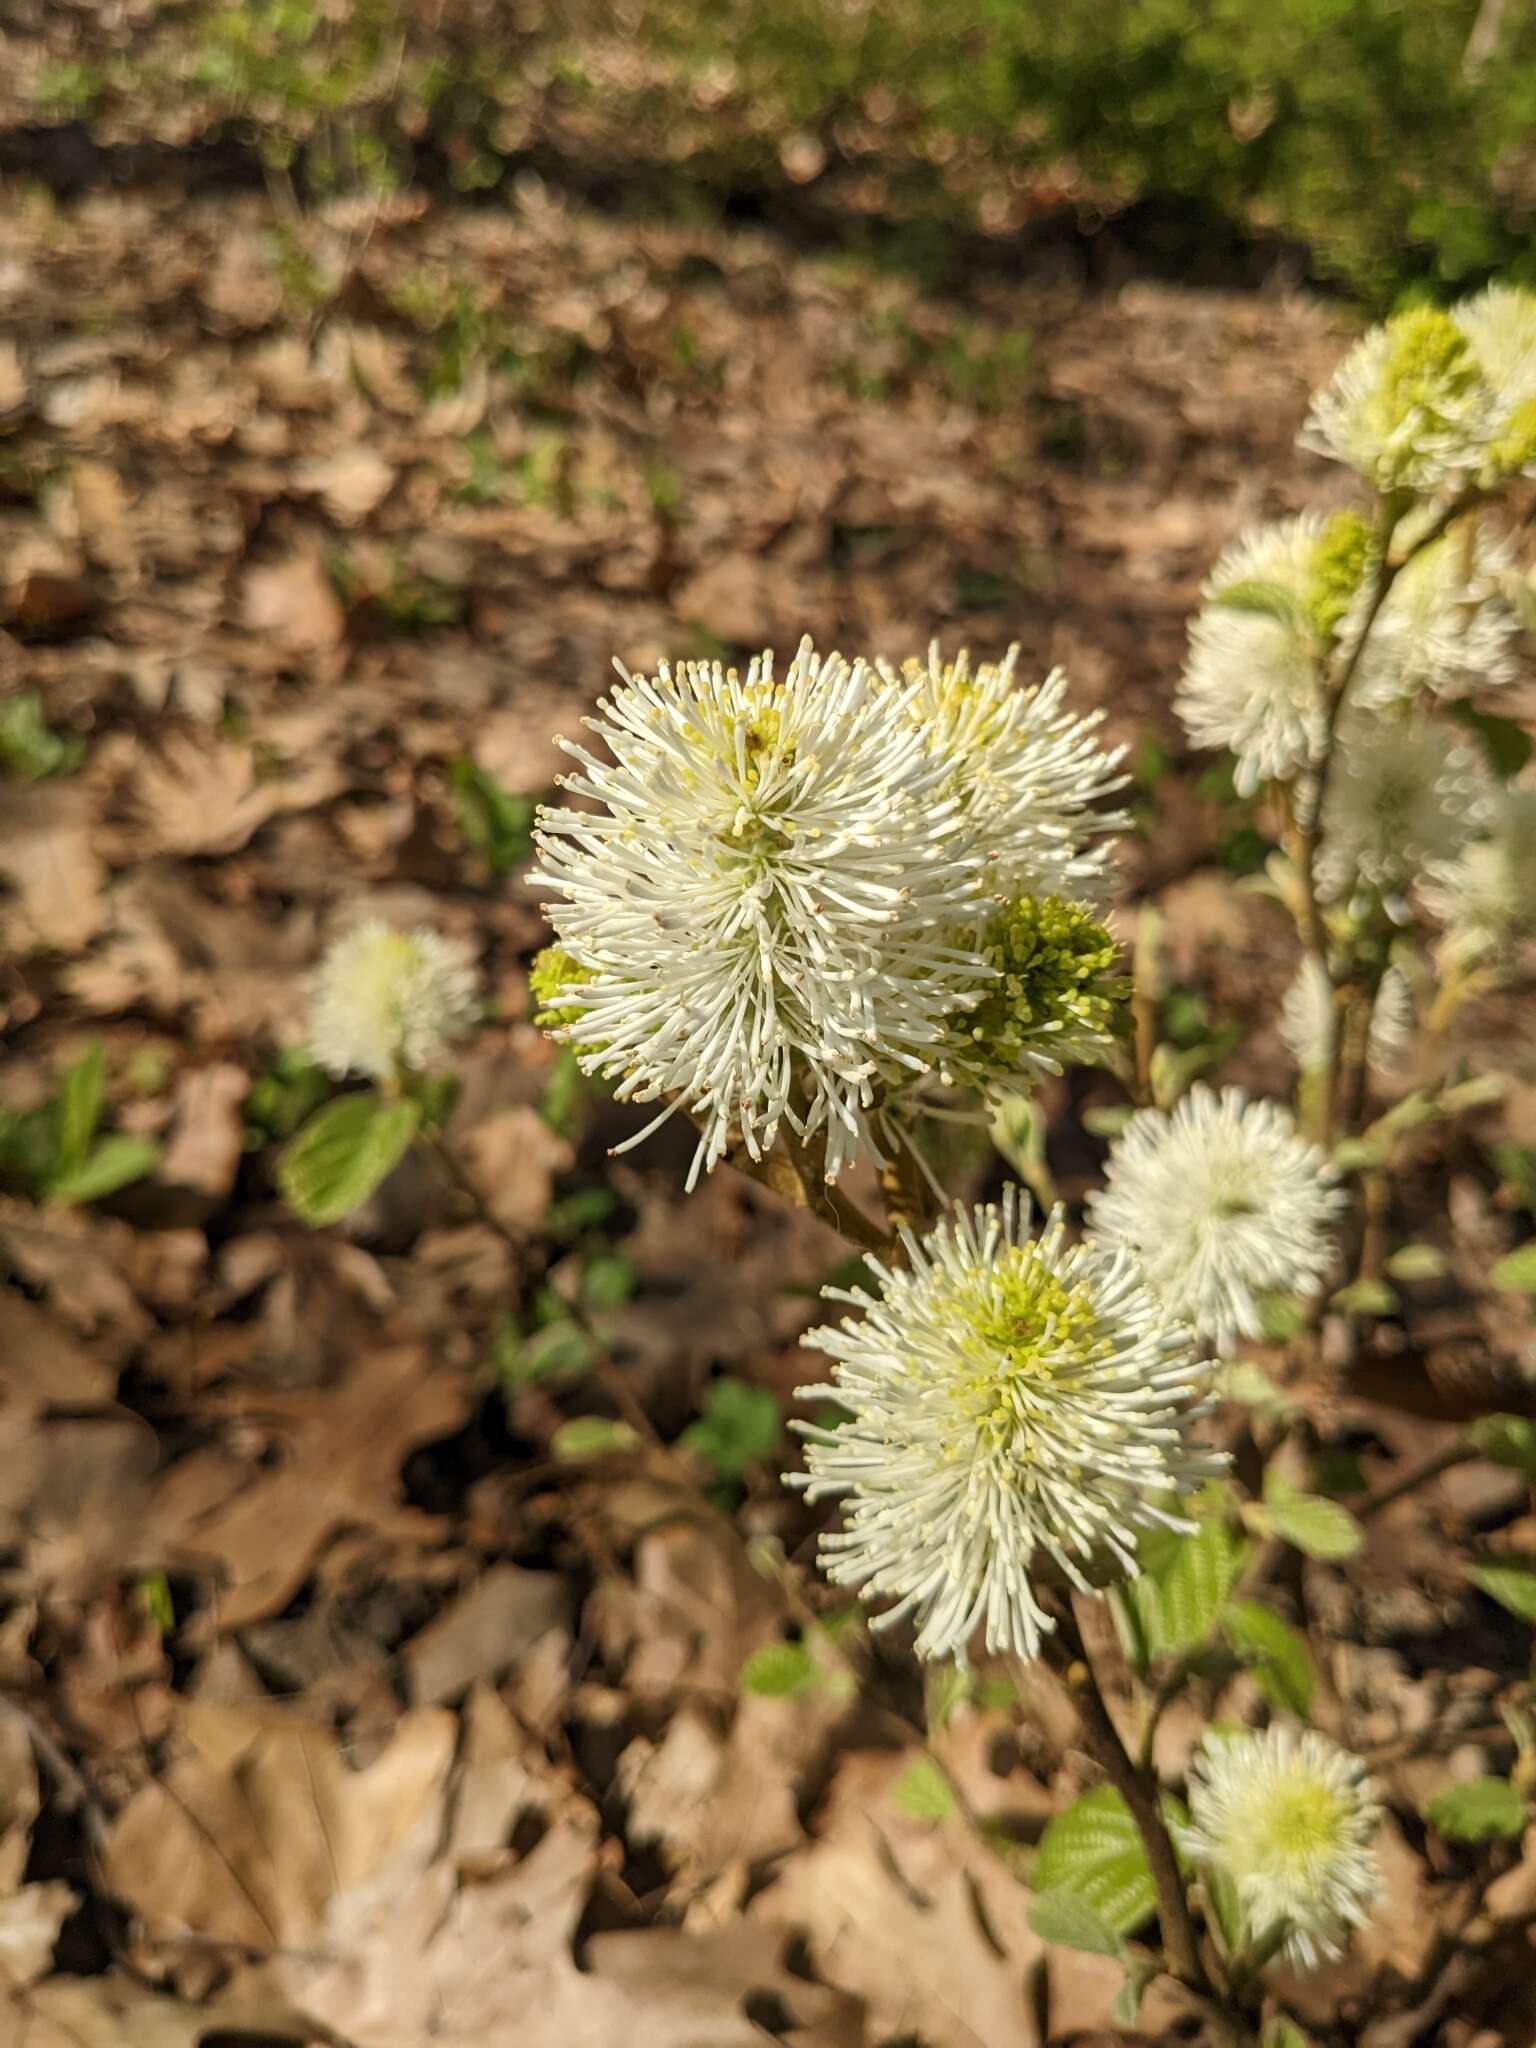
{"x": 387, "y": 1001}
{"x": 1290, "y": 1820}
{"x": 785, "y": 897}
{"x": 1402, "y": 798}
{"x": 1028, "y": 775}
{"x": 1408, "y": 407}
{"x": 1445, "y": 625}
{"x": 1306, "y": 1019}
{"x": 1016, "y": 1406}
{"x": 1500, "y": 325}
{"x": 1253, "y": 681}
{"x": 1223, "y": 1201}
{"x": 1486, "y": 896}
{"x": 763, "y": 903}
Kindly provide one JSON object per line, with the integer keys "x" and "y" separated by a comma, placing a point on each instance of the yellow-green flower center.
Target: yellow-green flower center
{"x": 1027, "y": 1330}
{"x": 1428, "y": 374}
{"x": 1338, "y": 565}
{"x": 1299, "y": 1823}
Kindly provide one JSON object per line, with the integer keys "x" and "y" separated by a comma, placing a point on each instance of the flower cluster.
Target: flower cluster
{"x": 1289, "y": 1820}
{"x": 1404, "y": 797}
{"x": 1222, "y": 1201}
{"x": 388, "y": 1003}
{"x": 784, "y": 890}
{"x": 1051, "y": 995}
{"x": 1485, "y": 895}
{"x": 1436, "y": 401}
{"x": 1018, "y": 1406}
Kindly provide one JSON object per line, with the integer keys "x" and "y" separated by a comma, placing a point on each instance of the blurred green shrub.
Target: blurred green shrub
{"x": 1350, "y": 126}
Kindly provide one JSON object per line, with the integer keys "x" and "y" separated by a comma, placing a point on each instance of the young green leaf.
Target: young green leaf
{"x": 1512, "y": 1585}
{"x": 1317, "y": 1527}
{"x": 1481, "y": 1810}
{"x": 1067, "y": 1918}
{"x": 77, "y": 1107}
{"x": 342, "y": 1154}
{"x": 1277, "y": 1654}
{"x": 1092, "y": 1848}
{"x": 1516, "y": 1272}
{"x": 1224, "y": 1909}
{"x": 1271, "y": 600}
{"x": 740, "y": 1424}
{"x": 1417, "y": 1262}
{"x": 110, "y": 1165}
{"x": 1366, "y": 1298}
{"x": 592, "y": 1436}
{"x": 1179, "y": 1598}
{"x": 778, "y": 1671}
{"x": 1507, "y": 1440}
{"x": 923, "y": 1792}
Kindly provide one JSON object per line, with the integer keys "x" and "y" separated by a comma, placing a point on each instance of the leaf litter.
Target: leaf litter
{"x": 345, "y": 1711}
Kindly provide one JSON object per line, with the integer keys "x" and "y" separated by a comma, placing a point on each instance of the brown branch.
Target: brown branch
{"x": 1102, "y": 1740}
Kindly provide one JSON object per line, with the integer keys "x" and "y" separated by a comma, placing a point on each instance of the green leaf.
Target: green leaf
{"x": 607, "y": 1281}
{"x": 778, "y": 1671}
{"x": 1512, "y": 1585}
{"x": 740, "y": 1425}
{"x": 592, "y": 1436}
{"x": 1224, "y": 1908}
{"x": 1281, "y": 1317}
{"x": 77, "y": 1107}
{"x": 111, "y": 1165}
{"x": 1187, "y": 1579}
{"x": 342, "y": 1154}
{"x": 1481, "y": 1810}
{"x": 1366, "y": 1298}
{"x": 1251, "y": 1387}
{"x": 1066, "y": 1918}
{"x": 1507, "y": 1440}
{"x": 1278, "y": 1655}
{"x": 1284, "y": 2033}
{"x": 28, "y": 747}
{"x": 1272, "y": 600}
{"x": 1317, "y": 1527}
{"x": 1093, "y": 1849}
{"x": 923, "y": 1792}
{"x": 1517, "y": 1271}
{"x": 1417, "y": 1262}
{"x": 1517, "y": 1163}
{"x": 1139, "y": 1973}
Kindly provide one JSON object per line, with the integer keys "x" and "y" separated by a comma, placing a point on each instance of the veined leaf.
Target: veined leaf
{"x": 342, "y": 1154}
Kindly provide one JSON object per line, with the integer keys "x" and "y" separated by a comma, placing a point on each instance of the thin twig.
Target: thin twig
{"x": 1103, "y": 1742}
{"x": 1444, "y": 1460}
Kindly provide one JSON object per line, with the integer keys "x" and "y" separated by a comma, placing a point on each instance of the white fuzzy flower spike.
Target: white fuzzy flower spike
{"x": 1223, "y": 1201}
{"x": 1408, "y": 407}
{"x": 1016, "y": 1404}
{"x": 387, "y": 1002}
{"x": 1027, "y": 774}
{"x": 785, "y": 896}
{"x": 1500, "y": 325}
{"x": 1290, "y": 1820}
{"x": 1253, "y": 681}
{"x": 1403, "y": 797}
{"x": 766, "y": 851}
{"x": 1486, "y": 896}
{"x": 1445, "y": 623}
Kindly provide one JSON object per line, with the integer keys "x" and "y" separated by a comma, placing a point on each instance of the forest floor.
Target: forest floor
{"x": 336, "y": 1705}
